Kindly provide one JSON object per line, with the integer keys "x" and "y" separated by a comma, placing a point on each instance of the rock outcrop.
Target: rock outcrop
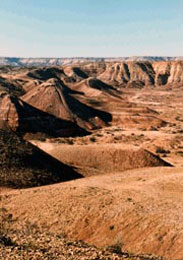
{"x": 143, "y": 73}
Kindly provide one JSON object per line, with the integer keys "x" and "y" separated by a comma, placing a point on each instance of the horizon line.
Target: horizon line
{"x": 92, "y": 57}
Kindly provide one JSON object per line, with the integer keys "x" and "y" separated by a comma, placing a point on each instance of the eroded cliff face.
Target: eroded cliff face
{"x": 8, "y": 113}
{"x": 143, "y": 73}
{"x": 74, "y": 99}
{"x": 176, "y": 73}
{"x": 168, "y": 72}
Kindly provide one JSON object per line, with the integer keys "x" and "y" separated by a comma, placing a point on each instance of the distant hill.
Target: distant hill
{"x": 12, "y": 61}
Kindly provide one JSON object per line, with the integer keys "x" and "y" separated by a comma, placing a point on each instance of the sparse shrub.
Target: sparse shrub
{"x": 70, "y": 141}
{"x": 42, "y": 139}
{"x": 111, "y": 227}
{"x": 162, "y": 150}
{"x": 179, "y": 153}
{"x": 116, "y": 248}
{"x": 98, "y": 134}
{"x": 6, "y": 220}
{"x": 118, "y": 138}
{"x": 92, "y": 139}
{"x": 30, "y": 228}
{"x": 179, "y": 119}
{"x": 180, "y": 131}
{"x": 152, "y": 128}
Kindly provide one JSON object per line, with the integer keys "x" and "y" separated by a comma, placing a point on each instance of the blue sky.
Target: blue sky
{"x": 94, "y": 28}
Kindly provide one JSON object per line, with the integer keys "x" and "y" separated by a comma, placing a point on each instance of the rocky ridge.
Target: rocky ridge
{"x": 12, "y": 61}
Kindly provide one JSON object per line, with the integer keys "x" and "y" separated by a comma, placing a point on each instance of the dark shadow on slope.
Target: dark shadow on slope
{"x": 45, "y": 73}
{"x": 23, "y": 165}
{"x": 11, "y": 87}
{"x": 77, "y": 108}
{"x": 33, "y": 120}
{"x": 162, "y": 79}
{"x": 127, "y": 71}
{"x": 83, "y": 111}
{"x": 100, "y": 85}
{"x": 60, "y": 84}
{"x": 80, "y": 73}
{"x": 148, "y": 69}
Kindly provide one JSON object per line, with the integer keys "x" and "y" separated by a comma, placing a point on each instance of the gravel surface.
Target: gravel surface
{"x": 35, "y": 245}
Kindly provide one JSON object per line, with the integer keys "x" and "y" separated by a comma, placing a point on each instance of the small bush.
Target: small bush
{"x": 92, "y": 139}
{"x": 161, "y": 150}
{"x": 115, "y": 248}
{"x": 6, "y": 220}
{"x": 70, "y": 141}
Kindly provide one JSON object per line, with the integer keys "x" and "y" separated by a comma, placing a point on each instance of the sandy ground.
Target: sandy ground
{"x": 140, "y": 209}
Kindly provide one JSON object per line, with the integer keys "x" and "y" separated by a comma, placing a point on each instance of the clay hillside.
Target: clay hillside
{"x": 91, "y": 158}
{"x": 23, "y": 165}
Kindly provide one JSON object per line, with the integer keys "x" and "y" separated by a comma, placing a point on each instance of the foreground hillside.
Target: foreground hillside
{"x": 138, "y": 210}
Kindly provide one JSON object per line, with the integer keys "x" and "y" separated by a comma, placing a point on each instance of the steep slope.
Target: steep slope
{"x": 24, "y": 165}
{"x": 45, "y": 73}
{"x": 168, "y": 72}
{"x": 92, "y": 87}
{"x": 10, "y": 86}
{"x": 74, "y": 74}
{"x": 143, "y": 73}
{"x": 24, "y": 118}
{"x": 59, "y": 100}
{"x": 140, "y": 73}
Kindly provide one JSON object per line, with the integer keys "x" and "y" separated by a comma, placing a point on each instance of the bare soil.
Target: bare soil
{"x": 131, "y": 197}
